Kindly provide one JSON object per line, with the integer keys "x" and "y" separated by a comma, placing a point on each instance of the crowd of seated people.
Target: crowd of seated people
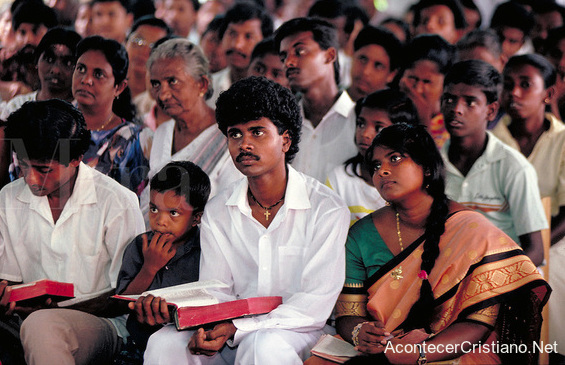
{"x": 382, "y": 172}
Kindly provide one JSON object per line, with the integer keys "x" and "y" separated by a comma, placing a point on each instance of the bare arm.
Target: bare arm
{"x": 558, "y": 226}
{"x": 532, "y": 244}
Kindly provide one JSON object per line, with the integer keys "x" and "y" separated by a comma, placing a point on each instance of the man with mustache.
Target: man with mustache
{"x": 308, "y": 50}
{"x": 276, "y": 232}
{"x": 245, "y": 25}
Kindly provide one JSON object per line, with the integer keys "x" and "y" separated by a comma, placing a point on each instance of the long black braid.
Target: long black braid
{"x": 415, "y": 142}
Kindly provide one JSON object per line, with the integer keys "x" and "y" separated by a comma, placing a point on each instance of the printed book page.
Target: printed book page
{"x": 190, "y": 294}
{"x": 333, "y": 346}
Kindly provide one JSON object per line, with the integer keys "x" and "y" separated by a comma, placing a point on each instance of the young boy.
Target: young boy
{"x": 265, "y": 61}
{"x": 482, "y": 172}
{"x": 170, "y": 253}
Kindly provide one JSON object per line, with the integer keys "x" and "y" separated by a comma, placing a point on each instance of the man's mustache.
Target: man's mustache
{"x": 246, "y": 154}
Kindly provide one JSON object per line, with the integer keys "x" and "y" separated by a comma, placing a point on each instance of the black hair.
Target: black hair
{"x": 124, "y": 3}
{"x": 453, "y": 5}
{"x": 380, "y": 37}
{"x": 244, "y": 11}
{"x": 58, "y": 35}
{"x": 485, "y": 38}
{"x": 323, "y": 33}
{"x": 117, "y": 56}
{"x": 431, "y": 47}
{"x": 416, "y": 142}
{"x": 551, "y": 43}
{"x": 332, "y": 9}
{"x": 215, "y": 24}
{"x": 544, "y": 67}
{"x": 265, "y": 47}
{"x": 476, "y": 73}
{"x": 512, "y": 15}
{"x": 254, "y": 98}
{"x": 33, "y": 12}
{"x": 402, "y": 25}
{"x": 48, "y": 130}
{"x": 398, "y": 107}
{"x": 150, "y": 20}
{"x": 470, "y": 4}
{"x": 185, "y": 179}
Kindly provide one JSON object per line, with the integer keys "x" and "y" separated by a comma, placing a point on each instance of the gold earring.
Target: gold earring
{"x": 201, "y": 94}
{"x": 546, "y": 100}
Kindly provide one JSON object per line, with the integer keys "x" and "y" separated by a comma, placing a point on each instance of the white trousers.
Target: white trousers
{"x": 557, "y": 298}
{"x": 264, "y": 346}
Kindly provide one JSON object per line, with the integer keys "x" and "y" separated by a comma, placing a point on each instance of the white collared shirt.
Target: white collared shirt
{"x": 300, "y": 256}
{"x": 86, "y": 244}
{"x": 331, "y": 143}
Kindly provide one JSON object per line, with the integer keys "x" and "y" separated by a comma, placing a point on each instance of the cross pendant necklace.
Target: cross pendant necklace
{"x": 267, "y": 209}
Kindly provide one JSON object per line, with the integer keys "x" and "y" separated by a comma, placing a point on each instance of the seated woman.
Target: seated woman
{"x": 352, "y": 181}
{"x": 427, "y": 269}
{"x": 119, "y": 149}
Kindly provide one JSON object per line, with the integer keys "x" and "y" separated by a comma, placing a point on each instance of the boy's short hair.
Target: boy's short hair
{"x": 453, "y": 5}
{"x": 485, "y": 38}
{"x": 51, "y": 130}
{"x": 431, "y": 47}
{"x": 215, "y": 25}
{"x": 185, "y": 179}
{"x": 476, "y": 73}
{"x": 381, "y": 37}
{"x": 323, "y": 33}
{"x": 124, "y": 3}
{"x": 151, "y": 21}
{"x": 58, "y": 35}
{"x": 398, "y": 106}
{"x": 400, "y": 24}
{"x": 264, "y": 47}
{"x": 254, "y": 98}
{"x": 35, "y": 13}
{"x": 332, "y": 9}
{"x": 513, "y": 15}
{"x": 244, "y": 11}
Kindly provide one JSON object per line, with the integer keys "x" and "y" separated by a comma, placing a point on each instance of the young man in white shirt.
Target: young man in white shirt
{"x": 308, "y": 49}
{"x": 67, "y": 222}
{"x": 276, "y": 232}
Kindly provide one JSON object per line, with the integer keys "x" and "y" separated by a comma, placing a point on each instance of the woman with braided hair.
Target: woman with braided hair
{"x": 425, "y": 270}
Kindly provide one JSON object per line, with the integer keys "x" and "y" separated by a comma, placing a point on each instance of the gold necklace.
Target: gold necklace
{"x": 397, "y": 273}
{"x": 105, "y": 124}
{"x": 267, "y": 213}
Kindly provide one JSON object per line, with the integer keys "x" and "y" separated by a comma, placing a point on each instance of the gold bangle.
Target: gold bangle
{"x": 355, "y": 333}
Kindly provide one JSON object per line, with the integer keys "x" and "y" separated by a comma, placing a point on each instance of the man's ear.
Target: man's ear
{"x": 75, "y": 163}
{"x": 391, "y": 76}
{"x": 331, "y": 55}
{"x": 196, "y": 217}
{"x": 287, "y": 141}
{"x": 492, "y": 110}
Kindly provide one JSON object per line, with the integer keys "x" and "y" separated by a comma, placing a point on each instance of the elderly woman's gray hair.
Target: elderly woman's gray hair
{"x": 196, "y": 63}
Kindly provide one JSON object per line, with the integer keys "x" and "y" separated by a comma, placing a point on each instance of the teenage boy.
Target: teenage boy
{"x": 445, "y": 18}
{"x": 275, "y": 232}
{"x": 170, "y": 253}
{"x": 265, "y": 61}
{"x": 376, "y": 60}
{"x": 245, "y": 25}
{"x": 513, "y": 23}
{"x": 308, "y": 49}
{"x": 63, "y": 221}
{"x": 481, "y": 171}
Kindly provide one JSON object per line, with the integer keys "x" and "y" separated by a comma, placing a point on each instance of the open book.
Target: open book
{"x": 36, "y": 292}
{"x": 334, "y": 349}
{"x": 191, "y": 304}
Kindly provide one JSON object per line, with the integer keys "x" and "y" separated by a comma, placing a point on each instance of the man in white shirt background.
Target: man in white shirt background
{"x": 275, "y": 232}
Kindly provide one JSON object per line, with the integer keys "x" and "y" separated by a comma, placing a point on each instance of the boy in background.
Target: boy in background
{"x": 483, "y": 173}
{"x": 170, "y": 253}
{"x": 265, "y": 61}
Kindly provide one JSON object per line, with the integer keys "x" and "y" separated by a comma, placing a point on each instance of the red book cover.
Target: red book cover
{"x": 187, "y": 317}
{"x": 41, "y": 290}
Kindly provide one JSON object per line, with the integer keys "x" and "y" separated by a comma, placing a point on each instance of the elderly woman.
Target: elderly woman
{"x": 119, "y": 148}
{"x": 180, "y": 80}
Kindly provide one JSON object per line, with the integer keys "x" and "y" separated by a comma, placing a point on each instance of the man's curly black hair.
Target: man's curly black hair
{"x": 254, "y": 98}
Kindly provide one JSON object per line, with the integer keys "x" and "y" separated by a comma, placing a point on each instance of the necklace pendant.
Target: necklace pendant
{"x": 397, "y": 273}
{"x": 267, "y": 214}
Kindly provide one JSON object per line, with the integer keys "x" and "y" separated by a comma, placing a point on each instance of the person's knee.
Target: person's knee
{"x": 43, "y": 324}
{"x": 266, "y": 344}
{"x": 167, "y": 341}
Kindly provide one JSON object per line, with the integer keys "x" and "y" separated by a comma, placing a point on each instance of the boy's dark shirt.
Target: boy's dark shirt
{"x": 182, "y": 268}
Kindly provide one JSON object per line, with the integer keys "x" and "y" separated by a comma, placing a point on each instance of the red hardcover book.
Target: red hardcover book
{"x": 187, "y": 317}
{"x": 39, "y": 291}
{"x": 191, "y": 304}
